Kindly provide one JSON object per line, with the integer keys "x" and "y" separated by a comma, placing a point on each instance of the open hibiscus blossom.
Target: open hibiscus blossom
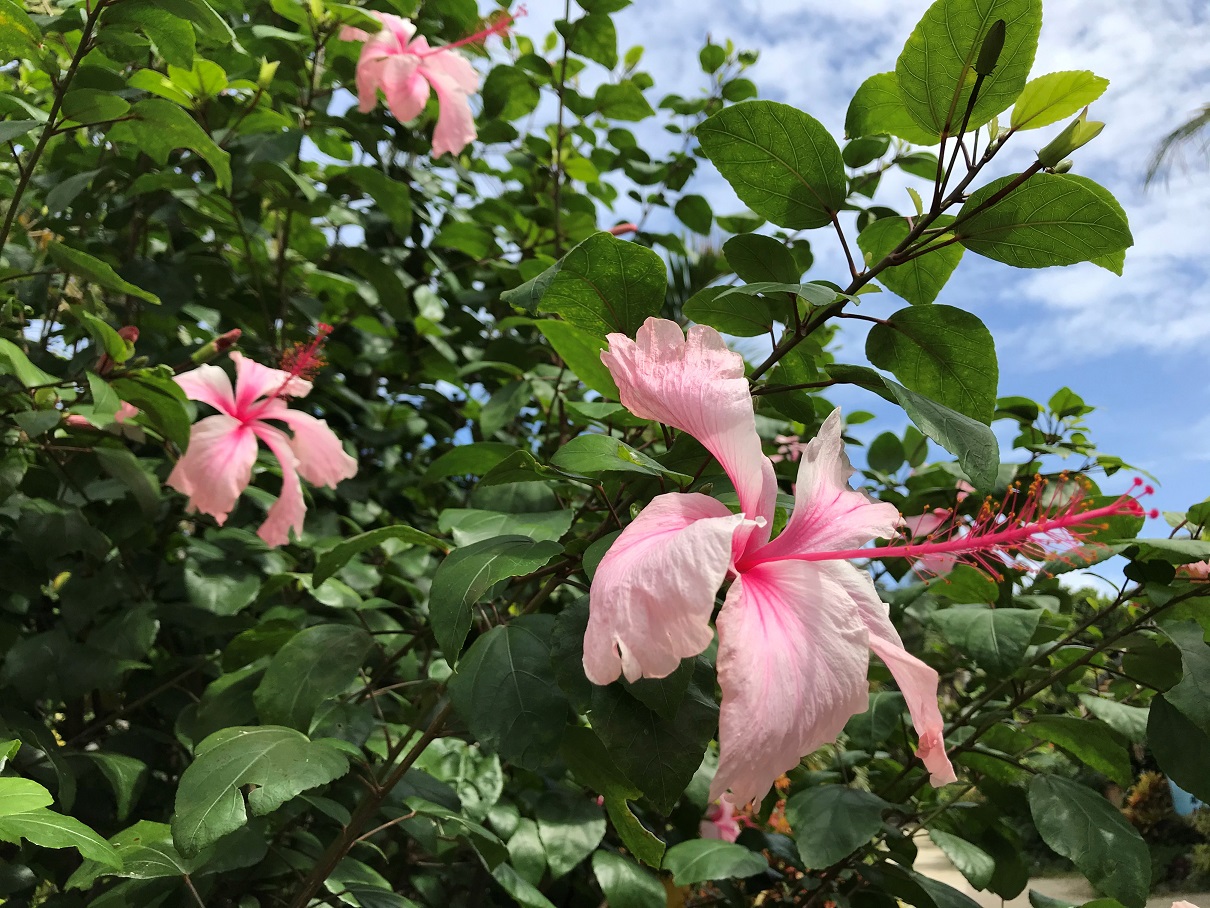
{"x": 403, "y": 65}
{"x": 217, "y": 467}
{"x": 799, "y": 618}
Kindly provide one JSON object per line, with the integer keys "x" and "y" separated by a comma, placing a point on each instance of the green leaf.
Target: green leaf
{"x": 885, "y": 453}
{"x": 523, "y": 892}
{"x": 920, "y": 280}
{"x": 15, "y": 129}
{"x": 1179, "y": 747}
{"x": 570, "y": 828}
{"x": 622, "y": 101}
{"x": 593, "y": 37}
{"x": 48, "y": 829}
{"x": 470, "y": 525}
{"x": 1086, "y": 829}
{"x": 1051, "y": 219}
{"x": 972, "y": 861}
{"x": 1128, "y": 721}
{"x": 815, "y": 294}
{"x": 699, "y": 860}
{"x": 504, "y": 406}
{"x": 626, "y": 884}
{"x": 590, "y": 763}
{"x": 125, "y": 774}
{"x": 93, "y": 270}
{"x": 19, "y": 37}
{"x": 14, "y": 362}
{"x": 936, "y": 73}
{"x": 590, "y": 454}
{"x": 606, "y": 284}
{"x": 1056, "y": 96}
{"x": 466, "y": 575}
{"x": 161, "y": 127}
{"x": 830, "y": 822}
{"x": 581, "y": 351}
{"x": 117, "y": 347}
{"x": 526, "y": 853}
{"x": 781, "y": 162}
{"x": 749, "y": 317}
{"x": 338, "y": 556}
{"x": 146, "y": 852}
{"x": 1192, "y": 694}
{"x": 20, "y": 795}
{"x": 506, "y": 691}
{"x": 996, "y": 638}
{"x": 468, "y": 460}
{"x": 279, "y": 762}
{"x": 160, "y": 400}
{"x": 509, "y": 93}
{"x": 878, "y": 110}
{"x": 944, "y": 353}
{"x": 1092, "y": 743}
{"x": 756, "y": 257}
{"x": 867, "y": 730}
{"x": 90, "y": 105}
{"x": 314, "y": 666}
{"x": 695, "y": 213}
{"x": 664, "y": 754}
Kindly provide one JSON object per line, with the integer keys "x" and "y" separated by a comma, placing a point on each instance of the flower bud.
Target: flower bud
{"x": 989, "y": 53}
{"x": 1063, "y": 166}
{"x": 1079, "y": 132}
{"x": 218, "y": 345}
{"x": 267, "y": 71}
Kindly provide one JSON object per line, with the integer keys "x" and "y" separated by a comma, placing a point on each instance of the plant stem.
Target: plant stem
{"x": 558, "y": 157}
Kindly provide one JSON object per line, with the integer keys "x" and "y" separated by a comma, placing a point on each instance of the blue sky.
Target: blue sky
{"x": 1132, "y": 346}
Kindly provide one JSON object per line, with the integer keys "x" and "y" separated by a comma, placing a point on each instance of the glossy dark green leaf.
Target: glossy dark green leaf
{"x": 995, "y": 638}
{"x": 626, "y": 884}
{"x": 878, "y": 109}
{"x": 1092, "y": 743}
{"x": 756, "y": 257}
{"x": 781, "y": 162}
{"x": 972, "y": 861}
{"x": 832, "y": 821}
{"x": 699, "y": 860}
{"x": 919, "y": 280}
{"x": 592, "y": 454}
{"x": 314, "y": 666}
{"x": 338, "y": 556}
{"x": 570, "y": 827}
{"x": 506, "y": 691}
{"x": 1081, "y": 825}
{"x": 742, "y": 317}
{"x": 1179, "y": 747}
{"x": 1192, "y": 695}
{"x": 47, "y": 829}
{"x": 1128, "y": 721}
{"x": 160, "y": 127}
{"x": 93, "y": 270}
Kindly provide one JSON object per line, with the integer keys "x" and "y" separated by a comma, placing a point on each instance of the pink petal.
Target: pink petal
{"x": 653, "y": 593}
{"x": 792, "y": 663}
{"x": 321, "y": 458}
{"x": 917, "y": 680}
{"x": 404, "y": 86}
{"x": 288, "y": 511}
{"x": 125, "y": 411}
{"x": 454, "y": 79}
{"x": 254, "y": 381}
{"x": 217, "y": 466}
{"x": 720, "y": 822}
{"x": 209, "y": 385}
{"x": 924, "y": 524}
{"x": 369, "y": 77}
{"x": 697, "y": 385}
{"x": 349, "y": 33}
{"x": 828, "y": 515}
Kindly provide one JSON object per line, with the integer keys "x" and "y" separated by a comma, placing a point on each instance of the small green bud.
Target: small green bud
{"x": 267, "y": 72}
{"x": 1079, "y": 132}
{"x": 1063, "y": 166}
{"x": 213, "y": 348}
{"x": 989, "y": 53}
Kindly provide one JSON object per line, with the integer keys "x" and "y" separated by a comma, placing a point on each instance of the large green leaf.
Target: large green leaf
{"x": 1051, "y": 219}
{"x": 19, "y": 37}
{"x": 971, "y": 441}
{"x": 1179, "y": 747}
{"x": 756, "y": 257}
{"x": 781, "y": 162}
{"x": 1092, "y": 743}
{"x": 830, "y": 822}
{"x": 936, "y": 70}
{"x": 160, "y": 400}
{"x": 48, "y": 829}
{"x": 606, "y": 284}
{"x": 468, "y": 573}
{"x": 14, "y": 362}
{"x": 160, "y": 127}
{"x": 314, "y": 666}
{"x": 972, "y": 861}
{"x": 878, "y": 109}
{"x": 699, "y": 860}
{"x": 1055, "y": 96}
{"x": 338, "y": 556}
{"x": 1086, "y": 829}
{"x": 592, "y": 454}
{"x": 506, "y": 691}
{"x": 626, "y": 884}
{"x": 996, "y": 638}
{"x": 920, "y": 280}
{"x": 742, "y": 317}
{"x": 20, "y": 795}
{"x": 581, "y": 351}
{"x": 1128, "y": 721}
{"x": 93, "y": 270}
{"x": 1192, "y": 694}
{"x": 570, "y": 828}
{"x": 944, "y": 353}
{"x": 280, "y": 763}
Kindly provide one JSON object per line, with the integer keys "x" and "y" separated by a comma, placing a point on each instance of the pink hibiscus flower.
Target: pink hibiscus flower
{"x": 720, "y": 822}
{"x": 217, "y": 466}
{"x": 799, "y": 619}
{"x": 405, "y": 67}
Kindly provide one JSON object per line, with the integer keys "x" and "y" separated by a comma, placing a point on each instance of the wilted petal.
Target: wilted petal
{"x": 405, "y": 88}
{"x": 792, "y": 661}
{"x": 454, "y": 79}
{"x": 208, "y": 385}
{"x": 288, "y": 511}
{"x": 828, "y": 515}
{"x": 917, "y": 680}
{"x": 217, "y": 467}
{"x": 653, "y": 593}
{"x": 254, "y": 381}
{"x": 697, "y": 385}
{"x": 321, "y": 458}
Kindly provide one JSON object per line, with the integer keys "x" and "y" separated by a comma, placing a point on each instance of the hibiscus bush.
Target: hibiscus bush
{"x": 388, "y": 517}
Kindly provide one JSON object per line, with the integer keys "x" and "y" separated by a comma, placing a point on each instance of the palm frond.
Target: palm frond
{"x": 1172, "y": 146}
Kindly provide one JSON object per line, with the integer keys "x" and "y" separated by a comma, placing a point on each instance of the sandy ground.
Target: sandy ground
{"x": 932, "y": 863}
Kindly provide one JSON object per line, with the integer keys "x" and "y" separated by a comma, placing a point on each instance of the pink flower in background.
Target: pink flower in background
{"x": 1199, "y": 570}
{"x": 217, "y": 466}
{"x": 799, "y": 619}
{"x": 403, "y": 65}
{"x": 125, "y": 411}
{"x": 720, "y": 822}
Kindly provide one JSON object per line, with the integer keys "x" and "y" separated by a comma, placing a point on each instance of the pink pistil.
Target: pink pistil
{"x": 503, "y": 21}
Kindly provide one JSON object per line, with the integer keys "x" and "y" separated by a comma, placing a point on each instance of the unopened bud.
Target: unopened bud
{"x": 989, "y": 53}
{"x": 619, "y": 229}
{"x": 105, "y": 362}
{"x": 219, "y": 345}
{"x": 267, "y": 71}
{"x": 1063, "y": 166}
{"x": 1079, "y": 132}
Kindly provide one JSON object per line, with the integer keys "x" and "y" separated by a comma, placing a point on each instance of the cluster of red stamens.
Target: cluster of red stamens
{"x": 498, "y": 23}
{"x": 304, "y": 360}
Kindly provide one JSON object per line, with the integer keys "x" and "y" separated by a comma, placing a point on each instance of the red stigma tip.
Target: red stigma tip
{"x": 1149, "y": 490}
{"x": 1153, "y": 513}
{"x": 1137, "y": 481}
{"x": 305, "y": 360}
